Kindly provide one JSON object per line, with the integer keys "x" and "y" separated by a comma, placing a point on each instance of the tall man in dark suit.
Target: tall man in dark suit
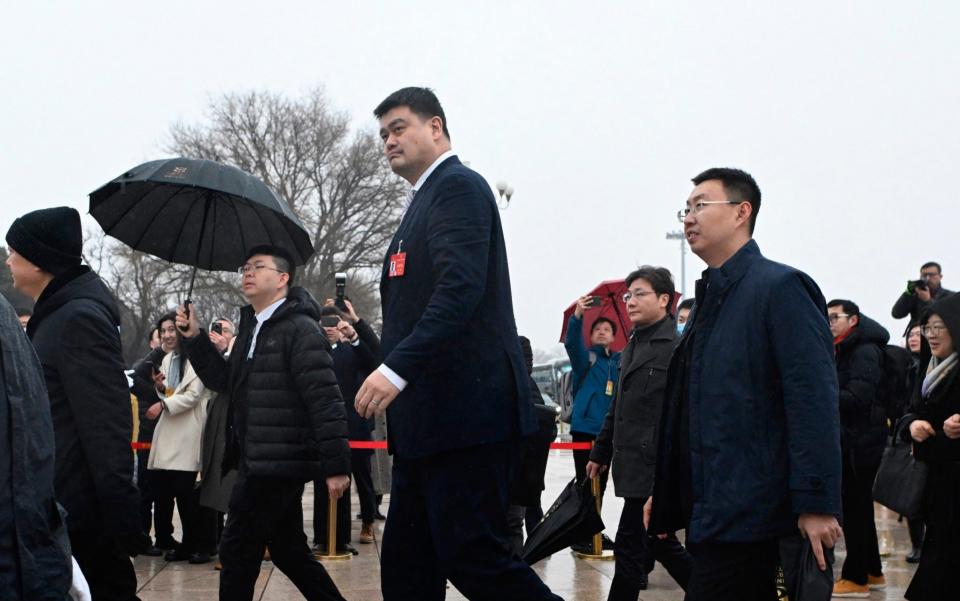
{"x": 453, "y": 375}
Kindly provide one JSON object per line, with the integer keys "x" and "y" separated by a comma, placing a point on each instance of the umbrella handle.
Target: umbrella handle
{"x": 186, "y": 310}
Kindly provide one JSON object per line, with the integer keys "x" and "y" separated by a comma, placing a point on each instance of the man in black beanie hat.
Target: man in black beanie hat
{"x": 75, "y": 331}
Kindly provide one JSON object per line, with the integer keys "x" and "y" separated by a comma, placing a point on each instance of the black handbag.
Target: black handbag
{"x": 901, "y": 479}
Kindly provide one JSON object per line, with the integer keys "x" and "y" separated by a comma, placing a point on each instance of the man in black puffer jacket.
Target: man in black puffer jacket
{"x": 287, "y": 426}
{"x": 75, "y": 331}
{"x": 859, "y": 342}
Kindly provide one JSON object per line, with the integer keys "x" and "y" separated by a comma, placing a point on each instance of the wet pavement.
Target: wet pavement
{"x": 571, "y": 578}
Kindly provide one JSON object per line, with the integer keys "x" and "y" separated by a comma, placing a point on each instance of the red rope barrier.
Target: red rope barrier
{"x": 382, "y": 444}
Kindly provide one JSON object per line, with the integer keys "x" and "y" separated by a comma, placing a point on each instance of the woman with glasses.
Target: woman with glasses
{"x": 934, "y": 428}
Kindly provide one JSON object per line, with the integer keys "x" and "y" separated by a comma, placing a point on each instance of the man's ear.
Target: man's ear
{"x": 854, "y": 321}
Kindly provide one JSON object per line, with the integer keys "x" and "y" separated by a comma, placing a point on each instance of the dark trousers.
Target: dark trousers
{"x": 267, "y": 512}
{"x": 733, "y": 571}
{"x": 859, "y": 527}
{"x": 636, "y": 552}
{"x": 915, "y": 526}
{"x": 448, "y": 520}
{"x": 108, "y": 571}
{"x": 170, "y": 485}
{"x": 363, "y": 478}
{"x": 146, "y": 494}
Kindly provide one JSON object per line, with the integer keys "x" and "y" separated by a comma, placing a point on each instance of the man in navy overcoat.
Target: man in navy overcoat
{"x": 452, "y": 381}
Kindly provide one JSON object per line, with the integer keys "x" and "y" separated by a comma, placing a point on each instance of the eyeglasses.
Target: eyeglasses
{"x": 835, "y": 317}
{"x": 698, "y": 207}
{"x": 933, "y": 331}
{"x": 244, "y": 270}
{"x": 639, "y": 294}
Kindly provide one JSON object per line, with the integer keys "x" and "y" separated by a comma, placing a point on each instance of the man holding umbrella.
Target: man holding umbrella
{"x": 289, "y": 424}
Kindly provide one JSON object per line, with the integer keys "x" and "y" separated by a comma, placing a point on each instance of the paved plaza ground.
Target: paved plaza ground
{"x": 571, "y": 578}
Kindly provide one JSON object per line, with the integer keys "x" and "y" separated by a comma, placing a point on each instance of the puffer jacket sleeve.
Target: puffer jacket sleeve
{"x": 207, "y": 361}
{"x": 311, "y": 366}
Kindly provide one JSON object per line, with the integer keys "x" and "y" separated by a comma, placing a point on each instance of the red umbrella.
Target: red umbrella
{"x": 612, "y": 307}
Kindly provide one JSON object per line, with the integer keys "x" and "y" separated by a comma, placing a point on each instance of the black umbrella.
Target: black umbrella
{"x": 572, "y": 518}
{"x": 197, "y": 212}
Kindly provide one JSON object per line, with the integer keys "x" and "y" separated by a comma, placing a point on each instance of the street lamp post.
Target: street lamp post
{"x": 677, "y": 235}
{"x": 505, "y": 191}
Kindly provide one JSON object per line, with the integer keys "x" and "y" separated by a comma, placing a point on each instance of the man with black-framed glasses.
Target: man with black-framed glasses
{"x": 749, "y": 448}
{"x": 859, "y": 343}
{"x": 286, "y": 424}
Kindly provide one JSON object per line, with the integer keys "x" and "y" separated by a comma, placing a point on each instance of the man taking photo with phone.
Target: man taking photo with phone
{"x": 595, "y": 371}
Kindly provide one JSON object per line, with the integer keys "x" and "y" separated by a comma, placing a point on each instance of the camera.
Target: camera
{"x": 329, "y": 321}
{"x": 914, "y": 285}
{"x": 341, "y": 281}
{"x": 217, "y": 327}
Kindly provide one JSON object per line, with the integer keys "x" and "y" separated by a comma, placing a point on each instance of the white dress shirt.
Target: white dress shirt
{"x": 263, "y": 316}
{"x": 388, "y": 373}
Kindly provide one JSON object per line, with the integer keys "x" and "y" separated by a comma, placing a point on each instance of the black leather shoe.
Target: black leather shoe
{"x": 167, "y": 545}
{"x": 153, "y": 551}
{"x": 379, "y": 516}
{"x": 197, "y": 558}
{"x": 608, "y": 545}
{"x": 177, "y": 554}
{"x": 914, "y": 556}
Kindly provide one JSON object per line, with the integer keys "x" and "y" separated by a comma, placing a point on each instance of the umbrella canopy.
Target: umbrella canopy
{"x": 197, "y": 212}
{"x": 613, "y": 308}
{"x": 572, "y": 518}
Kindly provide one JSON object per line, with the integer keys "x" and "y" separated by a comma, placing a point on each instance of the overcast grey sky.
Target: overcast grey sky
{"x": 598, "y": 114}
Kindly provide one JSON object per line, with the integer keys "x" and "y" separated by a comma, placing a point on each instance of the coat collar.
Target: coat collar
{"x": 730, "y": 272}
{"x": 665, "y": 331}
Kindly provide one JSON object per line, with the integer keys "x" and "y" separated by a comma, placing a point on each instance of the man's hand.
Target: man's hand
{"x": 923, "y": 294}
{"x": 351, "y": 312}
{"x": 647, "y": 512}
{"x": 594, "y": 469}
{"x": 337, "y": 485}
{"x": 951, "y": 427}
{"x": 218, "y": 341}
{"x": 583, "y": 303}
{"x": 822, "y": 531}
{"x": 347, "y": 331}
{"x": 191, "y": 324}
{"x": 154, "y": 411}
{"x": 375, "y": 395}
{"x": 920, "y": 430}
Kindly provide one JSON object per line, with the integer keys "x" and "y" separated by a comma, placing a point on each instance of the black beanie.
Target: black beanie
{"x": 51, "y": 239}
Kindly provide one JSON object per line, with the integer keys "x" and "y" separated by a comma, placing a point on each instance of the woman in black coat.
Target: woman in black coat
{"x": 934, "y": 428}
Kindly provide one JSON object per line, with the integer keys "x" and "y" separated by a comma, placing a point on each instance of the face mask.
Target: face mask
{"x": 680, "y": 327}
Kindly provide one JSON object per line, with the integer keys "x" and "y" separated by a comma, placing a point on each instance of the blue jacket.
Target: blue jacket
{"x": 591, "y": 401}
{"x": 448, "y": 325}
{"x": 750, "y": 435}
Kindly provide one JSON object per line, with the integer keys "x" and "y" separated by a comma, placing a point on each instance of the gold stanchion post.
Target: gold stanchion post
{"x": 332, "y": 554}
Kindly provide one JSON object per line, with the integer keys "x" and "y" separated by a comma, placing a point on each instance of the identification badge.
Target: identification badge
{"x": 609, "y": 388}
{"x": 397, "y": 264}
